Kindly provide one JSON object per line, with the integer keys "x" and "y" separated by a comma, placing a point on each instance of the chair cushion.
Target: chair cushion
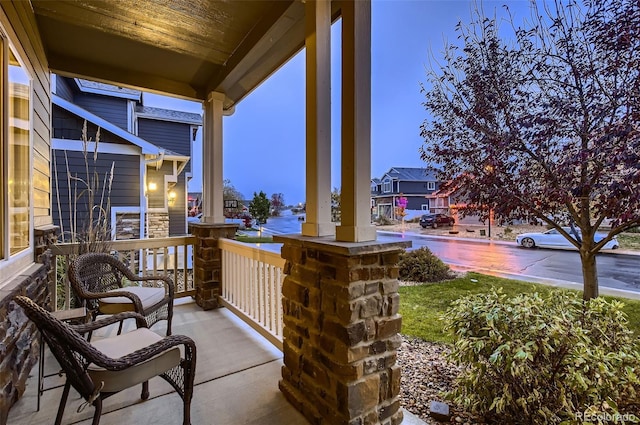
{"x": 121, "y": 345}
{"x": 148, "y": 297}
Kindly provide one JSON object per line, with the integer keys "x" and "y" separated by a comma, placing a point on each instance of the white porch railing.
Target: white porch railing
{"x": 252, "y": 287}
{"x": 171, "y": 256}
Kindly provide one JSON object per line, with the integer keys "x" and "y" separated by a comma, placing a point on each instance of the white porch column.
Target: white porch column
{"x": 318, "y": 118}
{"x": 356, "y": 123}
{"x": 212, "y": 205}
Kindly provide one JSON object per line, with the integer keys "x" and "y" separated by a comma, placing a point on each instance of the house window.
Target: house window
{"x": 16, "y": 159}
{"x": 424, "y": 207}
{"x": 431, "y": 185}
{"x": 386, "y": 186}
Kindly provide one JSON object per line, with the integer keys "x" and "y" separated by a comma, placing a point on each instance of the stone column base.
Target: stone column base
{"x": 341, "y": 326}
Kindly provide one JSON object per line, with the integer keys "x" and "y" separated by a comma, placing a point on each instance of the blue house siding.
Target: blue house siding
{"x": 174, "y": 136}
{"x": 177, "y": 216}
{"x": 125, "y": 186}
{"x": 416, "y": 202}
{"x": 63, "y": 89}
{"x": 69, "y": 126}
{"x": 413, "y": 187}
{"x": 112, "y": 109}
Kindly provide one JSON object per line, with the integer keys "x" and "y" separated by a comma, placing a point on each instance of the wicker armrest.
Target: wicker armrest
{"x": 92, "y": 326}
{"x": 146, "y": 353}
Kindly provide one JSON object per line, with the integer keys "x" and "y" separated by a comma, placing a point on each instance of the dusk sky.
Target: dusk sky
{"x": 264, "y": 140}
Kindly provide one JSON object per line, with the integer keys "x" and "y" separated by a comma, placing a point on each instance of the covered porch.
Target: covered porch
{"x": 331, "y": 302}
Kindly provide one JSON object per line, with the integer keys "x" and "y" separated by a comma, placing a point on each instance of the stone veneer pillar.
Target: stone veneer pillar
{"x": 207, "y": 261}
{"x": 19, "y": 344}
{"x": 341, "y": 326}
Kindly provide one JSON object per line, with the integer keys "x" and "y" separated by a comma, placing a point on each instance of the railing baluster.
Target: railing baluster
{"x": 274, "y": 300}
{"x": 260, "y": 295}
{"x": 272, "y": 296}
{"x": 132, "y": 261}
{"x": 67, "y": 285}
{"x": 278, "y": 299}
{"x": 253, "y": 287}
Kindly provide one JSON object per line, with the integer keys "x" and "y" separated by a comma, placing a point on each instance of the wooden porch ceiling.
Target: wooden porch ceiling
{"x": 186, "y": 48}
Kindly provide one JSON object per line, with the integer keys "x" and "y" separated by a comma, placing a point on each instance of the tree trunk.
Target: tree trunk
{"x": 589, "y": 276}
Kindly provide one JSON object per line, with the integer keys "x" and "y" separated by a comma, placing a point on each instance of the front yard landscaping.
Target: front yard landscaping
{"x": 422, "y": 305}
{"x": 424, "y": 355}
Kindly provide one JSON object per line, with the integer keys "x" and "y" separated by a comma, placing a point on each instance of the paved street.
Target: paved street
{"x": 617, "y": 270}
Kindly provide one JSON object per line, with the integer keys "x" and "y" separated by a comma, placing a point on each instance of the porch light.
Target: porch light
{"x": 151, "y": 186}
{"x": 172, "y": 197}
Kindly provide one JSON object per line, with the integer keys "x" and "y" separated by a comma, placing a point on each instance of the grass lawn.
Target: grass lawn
{"x": 629, "y": 241}
{"x": 421, "y": 306}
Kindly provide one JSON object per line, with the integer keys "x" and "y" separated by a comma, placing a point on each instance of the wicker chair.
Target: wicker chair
{"x": 100, "y": 369}
{"x": 97, "y": 280}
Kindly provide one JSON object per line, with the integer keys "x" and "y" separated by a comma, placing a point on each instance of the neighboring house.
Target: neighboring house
{"x": 446, "y": 201}
{"x": 415, "y": 184}
{"x": 142, "y": 156}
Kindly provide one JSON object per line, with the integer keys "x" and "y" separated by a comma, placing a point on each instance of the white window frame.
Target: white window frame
{"x": 424, "y": 207}
{"x": 387, "y": 185}
{"x": 12, "y": 264}
{"x": 431, "y": 185}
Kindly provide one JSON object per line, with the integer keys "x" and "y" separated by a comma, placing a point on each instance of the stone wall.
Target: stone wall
{"x": 19, "y": 344}
{"x": 158, "y": 225}
{"x": 341, "y": 330}
{"x": 128, "y": 226}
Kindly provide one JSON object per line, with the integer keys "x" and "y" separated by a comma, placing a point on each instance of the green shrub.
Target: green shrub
{"x": 544, "y": 360}
{"x": 421, "y": 265}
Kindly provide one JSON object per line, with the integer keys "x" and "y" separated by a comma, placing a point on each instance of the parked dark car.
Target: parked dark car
{"x": 435, "y": 220}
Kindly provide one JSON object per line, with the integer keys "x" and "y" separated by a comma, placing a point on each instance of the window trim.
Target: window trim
{"x": 431, "y": 185}
{"x": 13, "y": 264}
{"x": 387, "y": 185}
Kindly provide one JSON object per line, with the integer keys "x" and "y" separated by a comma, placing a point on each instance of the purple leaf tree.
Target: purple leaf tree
{"x": 542, "y": 119}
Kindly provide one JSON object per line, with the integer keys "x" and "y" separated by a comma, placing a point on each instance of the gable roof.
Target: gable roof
{"x": 146, "y": 147}
{"x": 168, "y": 115}
{"x": 411, "y": 174}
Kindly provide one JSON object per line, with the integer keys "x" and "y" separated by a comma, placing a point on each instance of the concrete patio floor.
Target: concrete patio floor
{"x": 236, "y": 381}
